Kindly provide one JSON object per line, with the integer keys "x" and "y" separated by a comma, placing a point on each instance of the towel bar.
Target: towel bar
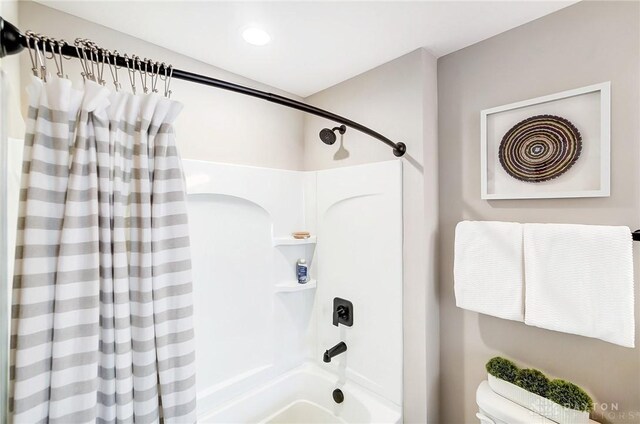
{"x": 636, "y": 235}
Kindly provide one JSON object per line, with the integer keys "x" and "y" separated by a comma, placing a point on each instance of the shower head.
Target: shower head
{"x": 328, "y": 136}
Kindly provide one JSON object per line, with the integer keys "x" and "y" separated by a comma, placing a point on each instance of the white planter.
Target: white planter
{"x": 537, "y": 403}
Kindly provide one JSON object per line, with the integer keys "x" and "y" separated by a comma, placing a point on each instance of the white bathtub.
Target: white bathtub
{"x": 304, "y": 396}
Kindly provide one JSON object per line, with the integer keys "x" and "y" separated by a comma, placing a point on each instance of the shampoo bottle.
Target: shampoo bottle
{"x": 302, "y": 270}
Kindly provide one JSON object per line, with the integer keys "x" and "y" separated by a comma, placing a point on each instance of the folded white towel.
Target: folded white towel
{"x": 579, "y": 280}
{"x": 488, "y": 271}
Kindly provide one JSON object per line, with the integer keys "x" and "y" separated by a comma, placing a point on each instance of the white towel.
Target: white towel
{"x": 579, "y": 280}
{"x": 488, "y": 271}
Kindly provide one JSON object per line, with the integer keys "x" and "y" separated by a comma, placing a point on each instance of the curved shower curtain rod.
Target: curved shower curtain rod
{"x": 12, "y": 41}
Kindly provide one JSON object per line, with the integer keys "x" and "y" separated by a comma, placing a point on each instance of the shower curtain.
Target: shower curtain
{"x": 102, "y": 295}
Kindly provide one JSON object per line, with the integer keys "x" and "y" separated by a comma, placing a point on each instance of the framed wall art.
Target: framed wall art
{"x": 555, "y": 146}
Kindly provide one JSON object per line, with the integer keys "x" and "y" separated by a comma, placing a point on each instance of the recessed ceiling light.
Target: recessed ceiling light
{"x": 256, "y": 36}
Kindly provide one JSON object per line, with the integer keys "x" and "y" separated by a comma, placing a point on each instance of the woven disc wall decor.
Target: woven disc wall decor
{"x": 540, "y": 148}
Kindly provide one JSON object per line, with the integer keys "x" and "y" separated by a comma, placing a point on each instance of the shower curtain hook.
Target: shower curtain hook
{"x": 155, "y": 70}
{"x": 163, "y": 68}
{"x": 62, "y": 57}
{"x": 150, "y": 73}
{"x": 30, "y": 38}
{"x": 53, "y": 43}
{"x": 131, "y": 73}
{"x": 92, "y": 61}
{"x": 116, "y": 55}
{"x": 137, "y": 66}
{"x": 92, "y": 72}
{"x": 40, "y": 58}
{"x": 89, "y": 45}
{"x": 113, "y": 69}
{"x": 100, "y": 62}
{"x": 167, "y": 82}
{"x": 62, "y": 44}
{"x": 50, "y": 41}
{"x": 143, "y": 81}
{"x": 83, "y": 58}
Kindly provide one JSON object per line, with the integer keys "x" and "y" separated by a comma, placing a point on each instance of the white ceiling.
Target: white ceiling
{"x": 314, "y": 44}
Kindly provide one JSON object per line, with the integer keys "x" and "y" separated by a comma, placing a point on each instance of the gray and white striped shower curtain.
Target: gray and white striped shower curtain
{"x": 102, "y": 296}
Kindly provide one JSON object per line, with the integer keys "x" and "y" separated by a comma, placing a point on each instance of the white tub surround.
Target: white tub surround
{"x": 359, "y": 214}
{"x": 255, "y": 323}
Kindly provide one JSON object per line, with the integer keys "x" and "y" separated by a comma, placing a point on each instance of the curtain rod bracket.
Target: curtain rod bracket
{"x": 12, "y": 41}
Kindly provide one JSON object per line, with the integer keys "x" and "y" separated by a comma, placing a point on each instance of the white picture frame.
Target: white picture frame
{"x": 589, "y": 108}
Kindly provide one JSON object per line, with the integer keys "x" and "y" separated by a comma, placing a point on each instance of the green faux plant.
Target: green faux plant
{"x": 503, "y": 369}
{"x": 569, "y": 395}
{"x": 533, "y": 381}
{"x": 561, "y": 392}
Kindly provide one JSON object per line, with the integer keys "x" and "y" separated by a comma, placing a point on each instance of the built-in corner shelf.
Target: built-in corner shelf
{"x": 290, "y": 241}
{"x": 294, "y": 286}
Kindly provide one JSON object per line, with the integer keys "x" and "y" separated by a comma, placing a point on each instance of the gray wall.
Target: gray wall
{"x": 214, "y": 125}
{"x": 586, "y": 43}
{"x": 398, "y": 100}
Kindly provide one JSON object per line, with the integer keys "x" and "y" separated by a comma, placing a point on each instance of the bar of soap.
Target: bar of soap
{"x": 301, "y": 234}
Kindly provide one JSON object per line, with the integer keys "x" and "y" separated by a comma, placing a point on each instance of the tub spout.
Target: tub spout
{"x": 334, "y": 351}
